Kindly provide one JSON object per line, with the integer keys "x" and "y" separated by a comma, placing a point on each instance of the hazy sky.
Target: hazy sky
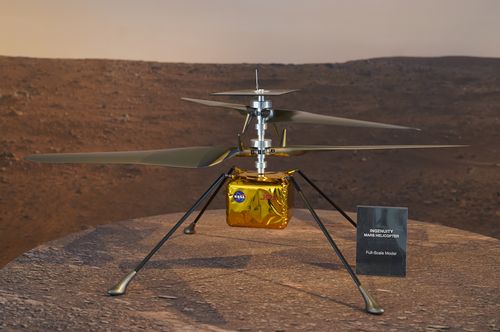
{"x": 248, "y": 31}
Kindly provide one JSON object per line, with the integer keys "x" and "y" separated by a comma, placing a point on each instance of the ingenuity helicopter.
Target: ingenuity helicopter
{"x": 253, "y": 198}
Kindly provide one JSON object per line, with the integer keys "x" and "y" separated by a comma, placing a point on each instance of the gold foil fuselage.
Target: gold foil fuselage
{"x": 255, "y": 200}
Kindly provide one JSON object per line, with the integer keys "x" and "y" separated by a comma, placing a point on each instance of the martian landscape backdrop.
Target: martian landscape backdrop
{"x": 54, "y": 105}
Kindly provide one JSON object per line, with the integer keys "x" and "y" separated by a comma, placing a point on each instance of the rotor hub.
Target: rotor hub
{"x": 262, "y": 104}
{"x": 261, "y": 145}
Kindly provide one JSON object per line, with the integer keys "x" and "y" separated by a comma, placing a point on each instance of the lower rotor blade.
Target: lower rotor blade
{"x": 190, "y": 157}
{"x": 306, "y": 117}
{"x": 301, "y": 149}
{"x": 211, "y": 103}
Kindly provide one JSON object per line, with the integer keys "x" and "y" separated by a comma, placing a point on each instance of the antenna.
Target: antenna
{"x": 256, "y": 79}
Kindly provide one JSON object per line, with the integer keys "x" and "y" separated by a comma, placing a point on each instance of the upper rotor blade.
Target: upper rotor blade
{"x": 280, "y": 115}
{"x": 212, "y": 103}
{"x": 190, "y": 157}
{"x": 249, "y": 92}
{"x": 301, "y": 149}
{"x": 306, "y": 117}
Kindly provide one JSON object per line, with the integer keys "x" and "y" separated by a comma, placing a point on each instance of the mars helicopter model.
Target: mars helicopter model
{"x": 253, "y": 198}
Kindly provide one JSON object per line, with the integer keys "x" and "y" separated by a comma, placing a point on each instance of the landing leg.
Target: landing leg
{"x": 191, "y": 228}
{"x": 371, "y": 305}
{"x": 328, "y": 199}
{"x": 121, "y": 286}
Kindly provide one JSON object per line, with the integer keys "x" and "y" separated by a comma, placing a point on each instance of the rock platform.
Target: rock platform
{"x": 225, "y": 278}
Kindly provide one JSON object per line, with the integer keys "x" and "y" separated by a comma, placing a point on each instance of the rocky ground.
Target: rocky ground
{"x": 104, "y": 105}
{"x": 242, "y": 279}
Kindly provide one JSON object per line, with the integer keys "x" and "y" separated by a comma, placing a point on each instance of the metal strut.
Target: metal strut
{"x": 312, "y": 184}
{"x": 121, "y": 287}
{"x": 191, "y": 228}
{"x": 371, "y": 305}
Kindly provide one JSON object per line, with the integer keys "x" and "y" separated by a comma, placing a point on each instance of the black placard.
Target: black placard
{"x": 381, "y": 240}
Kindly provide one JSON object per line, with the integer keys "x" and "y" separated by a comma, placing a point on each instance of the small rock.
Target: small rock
{"x": 438, "y": 327}
{"x": 22, "y": 94}
{"x": 125, "y": 118}
{"x": 168, "y": 297}
{"x": 8, "y": 155}
{"x": 15, "y": 113}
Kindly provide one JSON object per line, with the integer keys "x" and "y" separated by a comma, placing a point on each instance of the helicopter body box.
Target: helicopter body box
{"x": 255, "y": 200}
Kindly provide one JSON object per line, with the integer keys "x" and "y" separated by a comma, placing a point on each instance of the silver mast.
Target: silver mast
{"x": 261, "y": 144}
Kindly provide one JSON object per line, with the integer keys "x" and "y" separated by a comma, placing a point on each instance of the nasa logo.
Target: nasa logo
{"x": 239, "y": 196}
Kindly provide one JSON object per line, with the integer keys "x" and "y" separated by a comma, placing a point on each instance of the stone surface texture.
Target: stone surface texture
{"x": 226, "y": 278}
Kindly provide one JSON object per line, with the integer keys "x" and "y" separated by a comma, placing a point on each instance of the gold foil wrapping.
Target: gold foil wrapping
{"x": 259, "y": 200}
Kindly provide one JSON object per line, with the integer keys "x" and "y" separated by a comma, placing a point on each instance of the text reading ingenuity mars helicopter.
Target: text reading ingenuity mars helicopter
{"x": 254, "y": 198}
